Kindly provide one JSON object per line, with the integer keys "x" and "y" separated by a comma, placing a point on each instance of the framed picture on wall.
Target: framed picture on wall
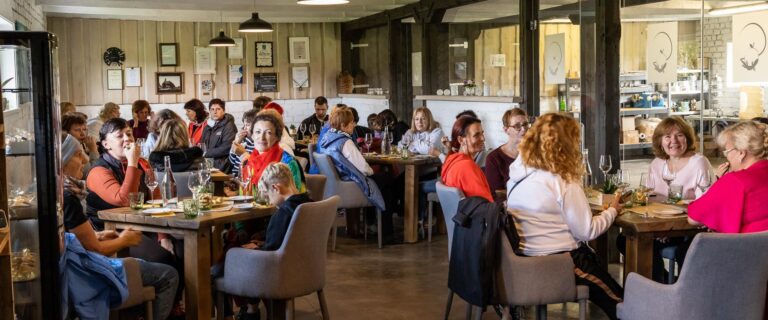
{"x": 264, "y": 54}
{"x": 298, "y": 48}
{"x": 168, "y": 54}
{"x": 114, "y": 79}
{"x": 265, "y": 82}
{"x": 169, "y": 82}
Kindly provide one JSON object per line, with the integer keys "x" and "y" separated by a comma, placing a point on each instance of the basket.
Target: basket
{"x": 345, "y": 82}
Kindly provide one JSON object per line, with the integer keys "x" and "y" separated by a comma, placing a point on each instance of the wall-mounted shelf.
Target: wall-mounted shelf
{"x": 632, "y": 146}
{"x": 639, "y": 111}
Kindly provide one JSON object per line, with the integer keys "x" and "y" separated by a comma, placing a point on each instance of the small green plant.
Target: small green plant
{"x": 608, "y": 187}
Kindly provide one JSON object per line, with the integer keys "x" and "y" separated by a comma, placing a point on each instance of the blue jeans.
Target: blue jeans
{"x": 426, "y": 187}
{"x": 165, "y": 279}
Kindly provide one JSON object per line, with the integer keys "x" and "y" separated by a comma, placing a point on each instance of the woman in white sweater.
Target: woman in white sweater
{"x": 550, "y": 209}
{"x": 424, "y": 135}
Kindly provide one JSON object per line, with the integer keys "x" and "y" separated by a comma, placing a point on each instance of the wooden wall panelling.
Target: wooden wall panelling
{"x": 509, "y": 48}
{"x": 111, "y": 38}
{"x": 233, "y": 91}
{"x": 220, "y": 79}
{"x": 382, "y": 58}
{"x": 188, "y": 37}
{"x": 492, "y": 45}
{"x": 316, "y": 42}
{"x": 281, "y": 35}
{"x": 149, "y": 45}
{"x": 94, "y": 64}
{"x": 166, "y": 33}
{"x": 331, "y": 64}
{"x": 65, "y": 73}
{"x": 129, "y": 42}
{"x": 479, "y": 54}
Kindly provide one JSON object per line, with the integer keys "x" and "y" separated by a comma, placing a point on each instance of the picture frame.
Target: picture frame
{"x": 265, "y": 82}
{"x": 168, "y": 53}
{"x": 169, "y": 82}
{"x": 298, "y": 49}
{"x": 205, "y": 60}
{"x": 265, "y": 54}
{"x": 133, "y": 76}
{"x": 114, "y": 79}
{"x": 236, "y": 52}
{"x": 300, "y": 77}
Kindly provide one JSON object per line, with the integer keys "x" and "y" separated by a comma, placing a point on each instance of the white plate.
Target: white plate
{"x": 243, "y": 206}
{"x": 667, "y": 211}
{"x": 239, "y": 198}
{"x": 156, "y": 211}
{"x": 160, "y": 201}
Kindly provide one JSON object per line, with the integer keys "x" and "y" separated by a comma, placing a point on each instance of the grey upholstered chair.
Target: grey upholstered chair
{"x": 352, "y": 198}
{"x": 525, "y": 281}
{"x": 181, "y": 179}
{"x": 724, "y": 277}
{"x": 449, "y": 201}
{"x": 432, "y": 198}
{"x": 315, "y": 186}
{"x": 137, "y": 292}
{"x": 296, "y": 269}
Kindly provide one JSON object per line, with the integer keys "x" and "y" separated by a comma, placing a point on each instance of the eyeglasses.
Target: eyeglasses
{"x": 520, "y": 126}
{"x": 725, "y": 152}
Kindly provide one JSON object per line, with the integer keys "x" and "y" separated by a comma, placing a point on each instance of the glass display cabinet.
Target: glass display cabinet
{"x": 31, "y": 224}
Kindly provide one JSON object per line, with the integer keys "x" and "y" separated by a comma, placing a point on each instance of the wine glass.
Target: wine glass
{"x": 246, "y": 174}
{"x": 623, "y": 177}
{"x": 303, "y": 130}
{"x": 151, "y": 182}
{"x": 195, "y": 183}
{"x": 312, "y": 129}
{"x": 667, "y": 175}
{"x": 703, "y": 183}
{"x": 605, "y": 165}
{"x": 391, "y": 138}
{"x": 368, "y": 141}
{"x": 205, "y": 173}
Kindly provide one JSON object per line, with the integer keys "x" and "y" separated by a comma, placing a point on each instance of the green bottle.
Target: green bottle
{"x": 562, "y": 104}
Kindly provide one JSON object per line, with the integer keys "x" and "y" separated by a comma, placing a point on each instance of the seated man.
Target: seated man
{"x": 313, "y": 123}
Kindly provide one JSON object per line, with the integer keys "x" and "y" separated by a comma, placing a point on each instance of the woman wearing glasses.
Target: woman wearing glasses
{"x": 497, "y": 163}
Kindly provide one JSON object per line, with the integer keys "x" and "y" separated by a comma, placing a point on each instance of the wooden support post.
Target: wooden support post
{"x": 529, "y": 56}
{"x": 401, "y": 88}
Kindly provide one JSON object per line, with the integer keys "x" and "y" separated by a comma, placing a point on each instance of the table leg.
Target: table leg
{"x": 197, "y": 273}
{"x": 218, "y": 188}
{"x": 411, "y": 204}
{"x": 639, "y": 257}
{"x": 217, "y": 245}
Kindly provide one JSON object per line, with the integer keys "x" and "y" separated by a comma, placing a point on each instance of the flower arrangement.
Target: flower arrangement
{"x": 469, "y": 84}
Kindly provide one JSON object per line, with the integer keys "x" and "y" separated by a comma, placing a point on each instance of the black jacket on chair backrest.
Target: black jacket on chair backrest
{"x": 475, "y": 249}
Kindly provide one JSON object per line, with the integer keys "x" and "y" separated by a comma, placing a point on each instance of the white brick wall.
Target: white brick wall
{"x": 717, "y": 33}
{"x": 28, "y": 13}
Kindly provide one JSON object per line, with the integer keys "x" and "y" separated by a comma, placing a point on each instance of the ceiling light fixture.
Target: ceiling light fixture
{"x": 255, "y": 24}
{"x": 321, "y": 2}
{"x": 738, "y": 9}
{"x": 222, "y": 40}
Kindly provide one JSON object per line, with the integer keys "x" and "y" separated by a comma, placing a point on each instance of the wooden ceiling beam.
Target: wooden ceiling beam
{"x": 420, "y": 10}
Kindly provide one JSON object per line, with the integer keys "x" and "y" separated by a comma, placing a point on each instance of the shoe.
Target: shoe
{"x": 244, "y": 315}
{"x": 371, "y": 229}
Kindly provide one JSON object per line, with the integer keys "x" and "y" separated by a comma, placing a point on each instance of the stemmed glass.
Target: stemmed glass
{"x": 623, "y": 176}
{"x": 667, "y": 175}
{"x": 368, "y": 141}
{"x": 391, "y": 138}
{"x": 195, "y": 183}
{"x": 703, "y": 183}
{"x": 244, "y": 179}
{"x": 641, "y": 194}
{"x": 303, "y": 130}
{"x": 605, "y": 165}
{"x": 151, "y": 182}
{"x": 312, "y": 129}
{"x": 205, "y": 173}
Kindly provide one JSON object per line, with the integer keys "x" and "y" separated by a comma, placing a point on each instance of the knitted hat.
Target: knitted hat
{"x": 275, "y": 106}
{"x": 69, "y": 148}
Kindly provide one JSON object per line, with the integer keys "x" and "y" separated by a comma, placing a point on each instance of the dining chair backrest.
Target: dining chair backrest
{"x": 311, "y": 148}
{"x": 315, "y": 186}
{"x": 328, "y": 169}
{"x": 182, "y": 182}
{"x": 449, "y": 202}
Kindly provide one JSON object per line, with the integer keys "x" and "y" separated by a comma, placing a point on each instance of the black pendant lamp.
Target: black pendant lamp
{"x": 255, "y": 24}
{"x": 222, "y": 40}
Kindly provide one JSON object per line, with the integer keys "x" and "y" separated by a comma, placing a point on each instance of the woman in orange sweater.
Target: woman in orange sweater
{"x": 460, "y": 170}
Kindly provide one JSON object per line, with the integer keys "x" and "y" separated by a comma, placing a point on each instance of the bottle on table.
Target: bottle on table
{"x": 168, "y": 185}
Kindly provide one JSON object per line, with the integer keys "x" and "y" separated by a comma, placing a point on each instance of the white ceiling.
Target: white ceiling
{"x": 289, "y": 11}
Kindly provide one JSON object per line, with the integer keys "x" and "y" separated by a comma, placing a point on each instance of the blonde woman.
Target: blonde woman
{"x": 173, "y": 141}
{"x": 109, "y": 111}
{"x": 550, "y": 209}
{"x": 424, "y": 134}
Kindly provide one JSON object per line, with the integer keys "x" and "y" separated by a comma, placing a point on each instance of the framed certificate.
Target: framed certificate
{"x": 205, "y": 60}
{"x": 114, "y": 79}
{"x": 169, "y": 54}
{"x": 264, "y": 54}
{"x": 298, "y": 48}
{"x": 265, "y": 82}
{"x": 236, "y": 52}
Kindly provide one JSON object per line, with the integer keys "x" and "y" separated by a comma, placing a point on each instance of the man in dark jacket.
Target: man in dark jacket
{"x": 317, "y": 119}
{"x": 218, "y": 135}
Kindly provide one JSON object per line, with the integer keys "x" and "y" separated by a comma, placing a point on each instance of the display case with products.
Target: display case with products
{"x": 30, "y": 184}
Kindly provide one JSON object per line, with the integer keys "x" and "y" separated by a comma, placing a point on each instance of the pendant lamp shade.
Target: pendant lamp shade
{"x": 222, "y": 41}
{"x": 255, "y": 24}
{"x": 321, "y": 2}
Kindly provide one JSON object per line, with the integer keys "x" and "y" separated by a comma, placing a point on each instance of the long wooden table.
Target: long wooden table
{"x": 200, "y": 245}
{"x": 411, "y": 191}
{"x": 219, "y": 178}
{"x": 642, "y": 231}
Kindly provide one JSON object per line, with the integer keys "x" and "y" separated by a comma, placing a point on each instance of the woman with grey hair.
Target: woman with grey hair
{"x": 108, "y": 111}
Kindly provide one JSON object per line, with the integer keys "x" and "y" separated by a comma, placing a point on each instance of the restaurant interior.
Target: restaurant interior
{"x": 635, "y": 93}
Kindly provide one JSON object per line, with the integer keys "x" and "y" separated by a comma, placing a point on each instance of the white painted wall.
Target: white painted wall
{"x": 490, "y": 114}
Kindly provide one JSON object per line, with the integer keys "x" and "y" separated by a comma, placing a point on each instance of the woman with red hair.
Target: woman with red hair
{"x": 460, "y": 170}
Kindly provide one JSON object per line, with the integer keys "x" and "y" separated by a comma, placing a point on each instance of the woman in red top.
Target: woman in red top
{"x": 196, "y": 114}
{"x": 460, "y": 170}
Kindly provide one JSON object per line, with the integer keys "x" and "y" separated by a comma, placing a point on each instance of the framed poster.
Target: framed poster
{"x": 169, "y": 54}
{"x": 749, "y": 44}
{"x": 265, "y": 82}
{"x": 169, "y": 82}
{"x": 133, "y": 77}
{"x": 205, "y": 60}
{"x": 300, "y": 77}
{"x": 661, "y": 52}
{"x": 114, "y": 79}
{"x": 206, "y": 87}
{"x": 236, "y": 52}
{"x": 554, "y": 58}
{"x": 264, "y": 54}
{"x": 298, "y": 48}
{"x": 235, "y": 74}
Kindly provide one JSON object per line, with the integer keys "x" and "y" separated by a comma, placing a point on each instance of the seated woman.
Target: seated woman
{"x": 77, "y": 127}
{"x": 163, "y": 277}
{"x": 108, "y": 111}
{"x": 459, "y": 169}
{"x": 675, "y": 148}
{"x": 243, "y": 143}
{"x": 515, "y": 122}
{"x": 174, "y": 143}
{"x": 154, "y": 130}
{"x": 388, "y": 119}
{"x": 736, "y": 202}
{"x": 141, "y": 112}
{"x": 286, "y": 141}
{"x": 551, "y": 211}
{"x": 266, "y": 134}
{"x": 196, "y": 114}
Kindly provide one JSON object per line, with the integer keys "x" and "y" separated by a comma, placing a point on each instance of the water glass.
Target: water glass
{"x": 136, "y": 200}
{"x": 191, "y": 208}
{"x": 640, "y": 196}
{"x": 675, "y": 193}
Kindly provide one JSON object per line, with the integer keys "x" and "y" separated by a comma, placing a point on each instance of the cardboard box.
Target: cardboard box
{"x": 632, "y": 136}
{"x": 627, "y": 123}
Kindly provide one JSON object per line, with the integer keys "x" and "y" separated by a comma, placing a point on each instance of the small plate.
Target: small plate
{"x": 239, "y": 198}
{"x": 668, "y": 211}
{"x": 157, "y": 211}
{"x": 243, "y": 206}
{"x": 160, "y": 201}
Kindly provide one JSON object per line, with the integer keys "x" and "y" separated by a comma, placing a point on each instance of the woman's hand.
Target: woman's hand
{"x": 135, "y": 120}
{"x": 237, "y": 148}
{"x": 434, "y": 152}
{"x": 132, "y": 153}
{"x": 240, "y": 136}
{"x": 616, "y": 203}
{"x": 90, "y": 143}
{"x": 722, "y": 169}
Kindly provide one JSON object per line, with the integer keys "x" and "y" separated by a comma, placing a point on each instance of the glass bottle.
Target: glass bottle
{"x": 586, "y": 181}
{"x": 168, "y": 185}
{"x": 385, "y": 147}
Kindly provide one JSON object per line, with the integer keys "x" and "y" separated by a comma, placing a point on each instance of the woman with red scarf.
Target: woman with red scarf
{"x": 196, "y": 114}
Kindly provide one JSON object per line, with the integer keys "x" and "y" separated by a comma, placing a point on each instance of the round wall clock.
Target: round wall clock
{"x": 114, "y": 55}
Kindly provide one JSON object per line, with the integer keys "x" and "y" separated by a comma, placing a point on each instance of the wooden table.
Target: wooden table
{"x": 411, "y": 191}
{"x": 219, "y": 178}
{"x": 199, "y": 246}
{"x": 642, "y": 231}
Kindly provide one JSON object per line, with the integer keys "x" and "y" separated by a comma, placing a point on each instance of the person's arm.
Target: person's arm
{"x": 350, "y": 151}
{"x": 435, "y": 138}
{"x": 493, "y": 174}
{"x": 276, "y": 230}
{"x": 227, "y": 136}
{"x": 287, "y": 139}
{"x": 721, "y": 207}
{"x": 578, "y": 214}
{"x": 108, "y": 247}
{"x": 102, "y": 182}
